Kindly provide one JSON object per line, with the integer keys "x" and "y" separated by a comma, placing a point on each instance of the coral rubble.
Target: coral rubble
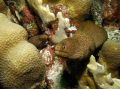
{"x": 20, "y": 63}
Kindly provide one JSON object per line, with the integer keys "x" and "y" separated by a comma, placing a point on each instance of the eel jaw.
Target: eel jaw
{"x": 60, "y": 50}
{"x": 61, "y": 53}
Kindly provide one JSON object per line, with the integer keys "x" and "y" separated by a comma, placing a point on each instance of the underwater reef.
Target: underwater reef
{"x": 20, "y": 63}
{"x": 59, "y": 44}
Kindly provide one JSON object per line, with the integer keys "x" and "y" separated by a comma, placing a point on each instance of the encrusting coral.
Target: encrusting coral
{"x": 55, "y": 20}
{"x": 78, "y": 14}
{"x": 110, "y": 57}
{"x": 25, "y": 18}
{"x": 20, "y": 63}
{"x": 96, "y": 11}
{"x": 102, "y": 80}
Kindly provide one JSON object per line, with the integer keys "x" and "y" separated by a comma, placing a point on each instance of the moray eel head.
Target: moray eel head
{"x": 39, "y": 41}
{"x": 75, "y": 47}
{"x": 63, "y": 48}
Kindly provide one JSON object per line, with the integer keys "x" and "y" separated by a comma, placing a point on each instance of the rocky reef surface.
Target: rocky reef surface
{"x": 61, "y": 37}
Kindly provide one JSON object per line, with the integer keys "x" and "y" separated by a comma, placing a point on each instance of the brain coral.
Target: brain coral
{"x": 110, "y": 55}
{"x": 20, "y": 63}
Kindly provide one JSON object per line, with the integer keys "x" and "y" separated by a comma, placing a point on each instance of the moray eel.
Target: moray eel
{"x": 86, "y": 39}
{"x": 78, "y": 47}
{"x": 39, "y": 40}
{"x": 76, "y": 50}
{"x": 3, "y": 7}
{"x": 97, "y": 33}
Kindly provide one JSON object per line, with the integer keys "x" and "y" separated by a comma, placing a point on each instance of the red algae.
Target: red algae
{"x": 24, "y": 17}
{"x": 55, "y": 67}
{"x": 110, "y": 12}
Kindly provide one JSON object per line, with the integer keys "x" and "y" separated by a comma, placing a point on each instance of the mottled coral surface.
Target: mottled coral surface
{"x": 64, "y": 50}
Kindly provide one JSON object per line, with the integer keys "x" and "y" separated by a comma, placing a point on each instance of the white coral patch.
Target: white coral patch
{"x": 43, "y": 11}
{"x": 60, "y": 33}
{"x": 55, "y": 73}
{"x": 102, "y": 80}
{"x": 72, "y": 28}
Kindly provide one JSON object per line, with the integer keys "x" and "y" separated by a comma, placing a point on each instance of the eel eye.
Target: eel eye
{"x": 64, "y": 46}
{"x": 40, "y": 40}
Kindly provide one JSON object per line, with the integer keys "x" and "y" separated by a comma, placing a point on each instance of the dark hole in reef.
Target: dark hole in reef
{"x": 119, "y": 72}
{"x": 90, "y": 17}
{"x": 68, "y": 80}
{"x": 49, "y": 25}
{"x": 1, "y": 86}
{"x": 6, "y": 2}
{"x": 117, "y": 21}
